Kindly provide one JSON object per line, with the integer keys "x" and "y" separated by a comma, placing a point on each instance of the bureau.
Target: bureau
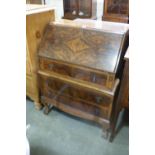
{"x": 78, "y": 71}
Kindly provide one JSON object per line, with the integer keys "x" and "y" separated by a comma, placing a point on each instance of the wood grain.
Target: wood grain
{"x": 78, "y": 83}
{"x": 78, "y": 113}
{"x": 100, "y": 49}
{"x": 35, "y": 22}
{"x": 77, "y": 72}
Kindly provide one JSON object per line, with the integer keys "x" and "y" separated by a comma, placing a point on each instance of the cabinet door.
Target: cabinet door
{"x": 117, "y": 6}
{"x": 70, "y": 6}
{"x": 34, "y": 1}
{"x": 85, "y": 7}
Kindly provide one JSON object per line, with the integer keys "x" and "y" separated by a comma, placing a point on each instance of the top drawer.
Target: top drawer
{"x": 78, "y": 72}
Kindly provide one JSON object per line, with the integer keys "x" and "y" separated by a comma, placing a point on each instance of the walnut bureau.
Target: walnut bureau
{"x": 78, "y": 65}
{"x": 37, "y": 17}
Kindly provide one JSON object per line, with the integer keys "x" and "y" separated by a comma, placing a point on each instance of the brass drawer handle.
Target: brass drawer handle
{"x": 99, "y": 100}
{"x": 97, "y": 112}
{"x": 50, "y": 66}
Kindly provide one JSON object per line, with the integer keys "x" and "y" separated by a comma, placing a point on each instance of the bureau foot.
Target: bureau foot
{"x": 47, "y": 108}
{"x": 105, "y": 133}
{"x": 111, "y": 138}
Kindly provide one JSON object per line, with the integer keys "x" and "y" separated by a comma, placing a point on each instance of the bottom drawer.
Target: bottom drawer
{"x": 79, "y": 105}
{"x": 77, "y": 98}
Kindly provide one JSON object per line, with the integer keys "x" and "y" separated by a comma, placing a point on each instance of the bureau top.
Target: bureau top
{"x": 81, "y": 44}
{"x": 113, "y": 27}
{"x": 36, "y": 8}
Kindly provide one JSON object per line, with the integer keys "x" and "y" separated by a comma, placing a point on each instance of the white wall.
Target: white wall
{"x": 58, "y": 4}
{"x": 100, "y": 9}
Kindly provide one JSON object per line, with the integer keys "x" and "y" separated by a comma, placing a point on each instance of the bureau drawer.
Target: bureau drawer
{"x": 63, "y": 92}
{"x": 76, "y": 104}
{"x": 85, "y": 74}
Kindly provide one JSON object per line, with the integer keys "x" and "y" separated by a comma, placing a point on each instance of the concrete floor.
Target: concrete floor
{"x": 61, "y": 134}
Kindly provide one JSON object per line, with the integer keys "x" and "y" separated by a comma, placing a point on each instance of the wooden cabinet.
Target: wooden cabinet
{"x": 78, "y": 65}
{"x": 116, "y": 11}
{"x": 35, "y": 1}
{"x": 37, "y": 17}
{"x": 79, "y": 9}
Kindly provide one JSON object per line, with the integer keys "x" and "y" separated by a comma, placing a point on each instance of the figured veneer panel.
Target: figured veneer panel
{"x": 84, "y": 47}
{"x": 75, "y": 97}
{"x": 57, "y": 86}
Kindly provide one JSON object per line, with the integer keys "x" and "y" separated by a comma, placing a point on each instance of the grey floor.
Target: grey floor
{"x": 61, "y": 134}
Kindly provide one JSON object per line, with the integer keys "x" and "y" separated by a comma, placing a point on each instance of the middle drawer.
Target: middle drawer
{"x": 82, "y": 73}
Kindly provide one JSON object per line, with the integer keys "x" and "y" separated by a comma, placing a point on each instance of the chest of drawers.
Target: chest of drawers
{"x": 37, "y": 17}
{"x": 78, "y": 66}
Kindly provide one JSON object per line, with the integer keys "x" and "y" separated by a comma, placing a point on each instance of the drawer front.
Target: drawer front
{"x": 79, "y": 105}
{"x": 77, "y": 72}
{"x": 75, "y": 97}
